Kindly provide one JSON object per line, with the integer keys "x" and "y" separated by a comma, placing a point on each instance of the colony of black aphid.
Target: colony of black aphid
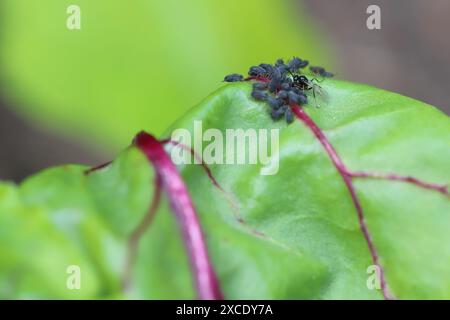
{"x": 282, "y": 84}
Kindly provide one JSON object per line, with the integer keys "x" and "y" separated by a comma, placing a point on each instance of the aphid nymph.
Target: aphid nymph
{"x": 257, "y": 71}
{"x": 259, "y": 95}
{"x": 233, "y": 78}
{"x": 321, "y": 71}
{"x": 289, "y": 116}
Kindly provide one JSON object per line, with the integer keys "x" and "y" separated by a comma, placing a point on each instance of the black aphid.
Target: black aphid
{"x": 233, "y": 78}
{"x": 294, "y": 98}
{"x": 267, "y": 67}
{"x": 286, "y": 86}
{"x": 280, "y": 65}
{"x": 283, "y": 94}
{"x": 320, "y": 71}
{"x": 275, "y": 102}
{"x": 277, "y": 114}
{"x": 282, "y": 85}
{"x": 257, "y": 71}
{"x": 302, "y": 99}
{"x": 260, "y": 86}
{"x": 289, "y": 116}
{"x": 273, "y": 85}
{"x": 259, "y": 95}
{"x": 316, "y": 69}
{"x": 296, "y": 63}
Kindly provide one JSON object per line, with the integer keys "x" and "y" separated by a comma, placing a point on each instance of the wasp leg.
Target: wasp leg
{"x": 315, "y": 100}
{"x": 317, "y": 80}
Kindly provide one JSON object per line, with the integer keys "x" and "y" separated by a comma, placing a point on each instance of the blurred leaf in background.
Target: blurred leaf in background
{"x": 136, "y": 64}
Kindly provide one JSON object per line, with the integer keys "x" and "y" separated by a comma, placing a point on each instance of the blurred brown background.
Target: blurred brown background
{"x": 409, "y": 55}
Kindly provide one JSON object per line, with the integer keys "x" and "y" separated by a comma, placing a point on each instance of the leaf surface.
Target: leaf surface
{"x": 291, "y": 235}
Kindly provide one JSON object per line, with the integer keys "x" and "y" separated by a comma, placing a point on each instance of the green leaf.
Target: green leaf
{"x": 306, "y": 205}
{"x": 62, "y": 217}
{"x": 293, "y": 235}
{"x": 134, "y": 66}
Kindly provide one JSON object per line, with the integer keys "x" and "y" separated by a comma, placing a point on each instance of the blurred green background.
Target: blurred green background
{"x": 135, "y": 64}
{"x": 80, "y": 95}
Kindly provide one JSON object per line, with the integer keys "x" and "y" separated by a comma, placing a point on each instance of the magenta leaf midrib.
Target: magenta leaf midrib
{"x": 206, "y": 282}
{"x": 341, "y": 168}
